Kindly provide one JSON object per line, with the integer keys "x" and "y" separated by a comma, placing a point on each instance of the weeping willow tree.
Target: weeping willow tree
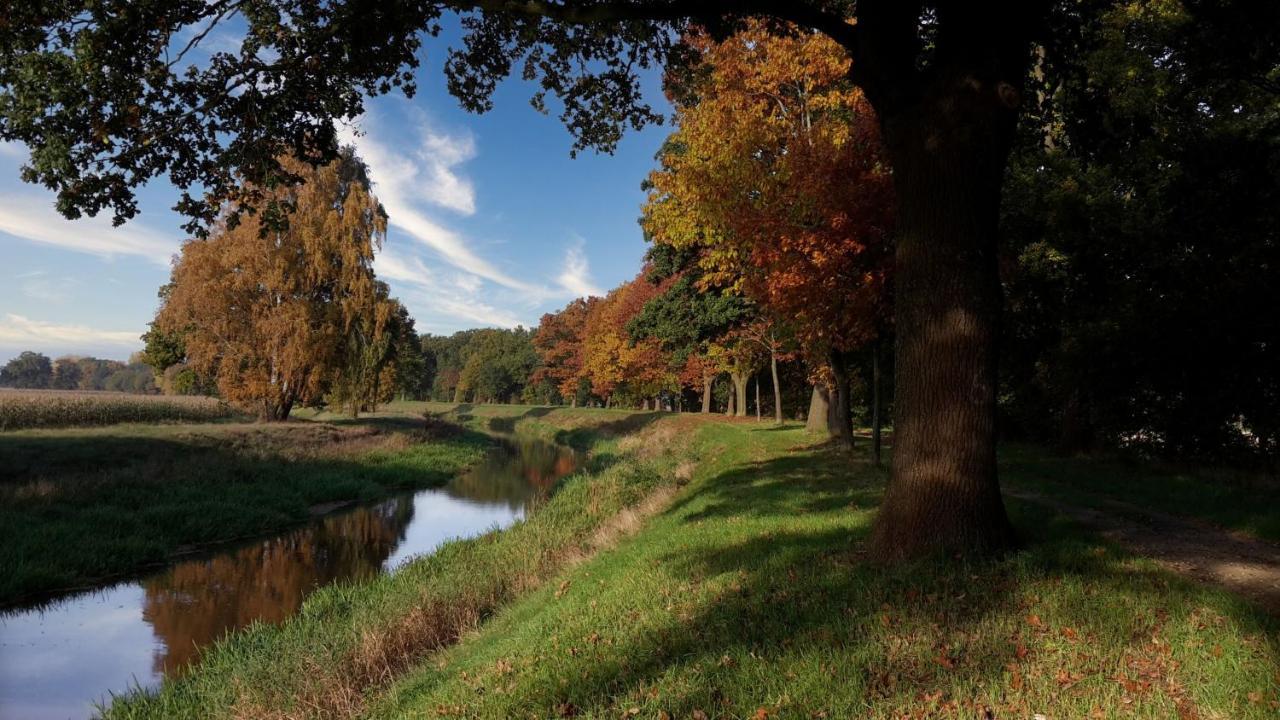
{"x": 275, "y": 315}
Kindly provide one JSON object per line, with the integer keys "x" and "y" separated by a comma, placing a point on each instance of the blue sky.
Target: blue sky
{"x": 492, "y": 224}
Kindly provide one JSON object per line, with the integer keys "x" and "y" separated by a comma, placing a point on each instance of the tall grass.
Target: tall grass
{"x": 20, "y": 409}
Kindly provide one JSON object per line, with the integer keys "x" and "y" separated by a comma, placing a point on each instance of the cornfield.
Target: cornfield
{"x": 65, "y": 408}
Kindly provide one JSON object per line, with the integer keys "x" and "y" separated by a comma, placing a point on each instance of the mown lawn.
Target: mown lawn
{"x": 749, "y": 596}
{"x": 80, "y": 505}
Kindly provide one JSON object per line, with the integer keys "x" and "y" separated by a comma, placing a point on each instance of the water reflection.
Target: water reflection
{"x": 197, "y": 602}
{"x": 55, "y": 661}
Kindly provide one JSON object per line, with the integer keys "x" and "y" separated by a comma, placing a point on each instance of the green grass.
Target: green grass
{"x": 750, "y": 596}
{"x": 350, "y": 638}
{"x": 81, "y": 505}
{"x": 1230, "y": 499}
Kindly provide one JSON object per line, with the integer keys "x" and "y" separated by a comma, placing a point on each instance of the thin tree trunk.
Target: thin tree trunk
{"x": 757, "y": 397}
{"x": 949, "y": 151}
{"x": 777, "y": 393}
{"x": 728, "y": 406}
{"x": 707, "y": 379}
{"x": 875, "y": 404}
{"x": 819, "y": 418}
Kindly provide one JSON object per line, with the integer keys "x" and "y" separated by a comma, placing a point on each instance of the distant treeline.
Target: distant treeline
{"x": 35, "y": 371}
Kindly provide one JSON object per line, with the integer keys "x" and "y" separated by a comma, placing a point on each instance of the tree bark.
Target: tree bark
{"x": 948, "y": 152}
{"x": 707, "y": 380}
{"x": 819, "y": 418}
{"x": 841, "y": 418}
{"x": 728, "y": 406}
{"x": 740, "y": 392}
{"x": 777, "y": 393}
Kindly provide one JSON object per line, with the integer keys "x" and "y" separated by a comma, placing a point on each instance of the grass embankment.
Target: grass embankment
{"x": 75, "y": 408}
{"x": 1237, "y": 500}
{"x": 86, "y": 504}
{"x": 749, "y": 597}
{"x": 349, "y": 641}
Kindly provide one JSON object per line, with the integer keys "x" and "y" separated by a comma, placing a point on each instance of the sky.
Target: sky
{"x": 492, "y": 224}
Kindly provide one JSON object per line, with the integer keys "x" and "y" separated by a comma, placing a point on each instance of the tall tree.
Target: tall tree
{"x": 559, "y": 340}
{"x": 272, "y": 314}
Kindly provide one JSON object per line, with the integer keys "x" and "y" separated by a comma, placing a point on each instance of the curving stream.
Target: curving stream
{"x": 58, "y": 659}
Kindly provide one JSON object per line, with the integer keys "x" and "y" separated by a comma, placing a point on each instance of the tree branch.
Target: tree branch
{"x": 800, "y": 13}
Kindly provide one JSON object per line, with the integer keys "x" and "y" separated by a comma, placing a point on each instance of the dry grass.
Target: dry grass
{"x": 20, "y": 409}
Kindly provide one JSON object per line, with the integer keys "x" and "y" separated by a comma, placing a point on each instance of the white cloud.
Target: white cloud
{"x": 32, "y": 218}
{"x": 17, "y": 330}
{"x": 400, "y": 183}
{"x": 575, "y": 276}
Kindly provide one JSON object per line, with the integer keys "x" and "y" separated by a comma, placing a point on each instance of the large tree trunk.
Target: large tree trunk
{"x": 841, "y": 418}
{"x": 948, "y": 151}
{"x": 819, "y": 418}
{"x": 777, "y": 393}
{"x": 707, "y": 380}
{"x": 740, "y": 392}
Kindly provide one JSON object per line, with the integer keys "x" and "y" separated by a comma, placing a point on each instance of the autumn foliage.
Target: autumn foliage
{"x": 278, "y": 317}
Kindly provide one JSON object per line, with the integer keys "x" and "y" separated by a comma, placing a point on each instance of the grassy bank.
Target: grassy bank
{"x": 349, "y": 641}
{"x": 85, "y": 504}
{"x": 748, "y": 596}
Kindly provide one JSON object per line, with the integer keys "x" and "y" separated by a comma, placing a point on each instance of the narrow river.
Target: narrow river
{"x": 57, "y": 660}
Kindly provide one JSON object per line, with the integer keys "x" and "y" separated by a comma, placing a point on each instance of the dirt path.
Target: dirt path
{"x": 1242, "y": 564}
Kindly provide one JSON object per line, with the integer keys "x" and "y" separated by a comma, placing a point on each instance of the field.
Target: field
{"x": 83, "y": 504}
{"x": 711, "y": 569}
{"x": 21, "y": 409}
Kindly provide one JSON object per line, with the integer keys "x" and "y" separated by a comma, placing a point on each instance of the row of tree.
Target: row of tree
{"x": 33, "y": 370}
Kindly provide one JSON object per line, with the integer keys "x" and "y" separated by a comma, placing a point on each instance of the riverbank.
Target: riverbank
{"x": 744, "y": 592}
{"x": 349, "y": 641}
{"x": 78, "y": 506}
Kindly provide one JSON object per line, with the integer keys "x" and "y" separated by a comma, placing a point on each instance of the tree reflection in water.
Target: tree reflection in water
{"x": 198, "y": 601}
{"x": 523, "y": 472}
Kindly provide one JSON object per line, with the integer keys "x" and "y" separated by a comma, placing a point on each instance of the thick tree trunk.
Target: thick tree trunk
{"x": 819, "y": 418}
{"x": 875, "y": 404}
{"x": 777, "y": 393}
{"x": 948, "y": 151}
{"x": 841, "y": 419}
{"x": 740, "y": 393}
{"x": 707, "y": 380}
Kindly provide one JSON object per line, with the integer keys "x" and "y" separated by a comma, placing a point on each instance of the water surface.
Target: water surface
{"x": 57, "y": 660}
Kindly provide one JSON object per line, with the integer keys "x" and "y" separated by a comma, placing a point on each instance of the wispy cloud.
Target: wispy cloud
{"x": 404, "y": 181}
{"x": 32, "y": 218}
{"x": 42, "y": 287}
{"x": 17, "y": 330}
{"x": 576, "y": 273}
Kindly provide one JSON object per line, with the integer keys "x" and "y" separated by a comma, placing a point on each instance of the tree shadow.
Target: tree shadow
{"x": 748, "y": 600}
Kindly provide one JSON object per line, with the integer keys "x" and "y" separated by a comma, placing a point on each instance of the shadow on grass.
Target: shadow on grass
{"x": 793, "y": 610}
